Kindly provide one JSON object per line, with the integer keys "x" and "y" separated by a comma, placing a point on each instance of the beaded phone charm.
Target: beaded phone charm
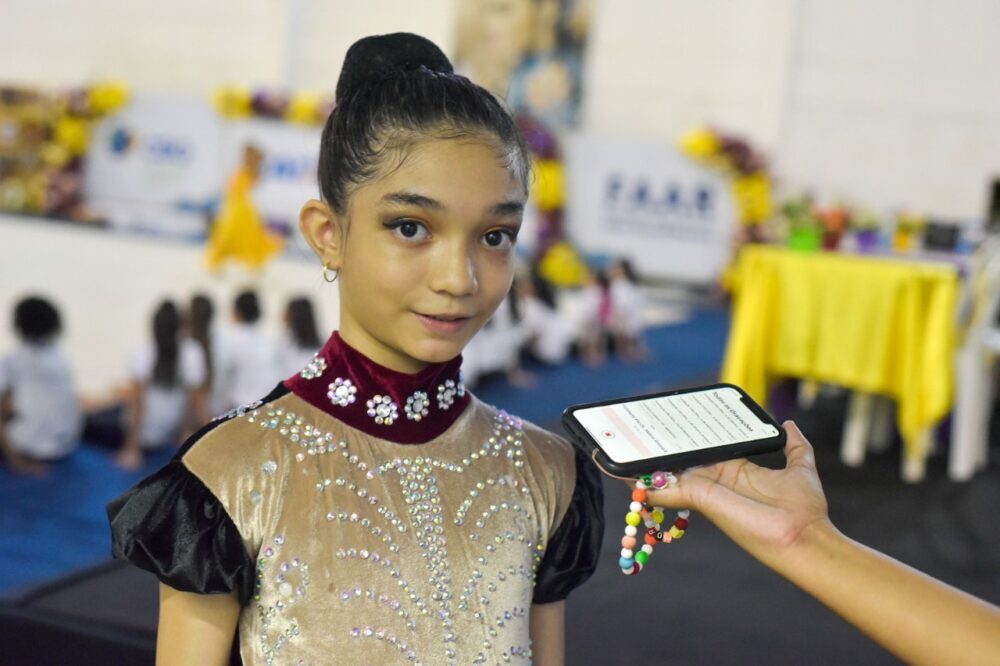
{"x": 642, "y": 513}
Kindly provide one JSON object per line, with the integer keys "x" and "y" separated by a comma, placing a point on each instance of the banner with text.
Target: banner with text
{"x": 642, "y": 200}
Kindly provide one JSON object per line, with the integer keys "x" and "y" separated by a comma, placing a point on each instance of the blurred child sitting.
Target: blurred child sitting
{"x": 595, "y": 318}
{"x": 300, "y": 341}
{"x": 246, "y": 365}
{"x": 627, "y": 323}
{"x": 40, "y": 418}
{"x": 166, "y": 394}
{"x": 549, "y": 336}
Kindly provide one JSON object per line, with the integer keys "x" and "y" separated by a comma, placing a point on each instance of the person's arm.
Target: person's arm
{"x": 780, "y": 517}
{"x": 548, "y": 633}
{"x": 195, "y": 628}
{"x": 130, "y": 456}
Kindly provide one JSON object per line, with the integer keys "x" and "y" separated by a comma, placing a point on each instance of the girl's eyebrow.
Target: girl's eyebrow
{"x": 503, "y": 209}
{"x": 413, "y": 199}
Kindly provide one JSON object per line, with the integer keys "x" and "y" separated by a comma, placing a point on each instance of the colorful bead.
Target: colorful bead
{"x": 628, "y": 542}
{"x": 627, "y": 553}
{"x": 681, "y": 524}
{"x": 676, "y": 533}
{"x": 647, "y": 549}
{"x": 647, "y": 480}
{"x": 630, "y": 530}
{"x": 639, "y": 495}
{"x": 651, "y": 539}
{"x": 626, "y": 563}
{"x": 641, "y": 512}
{"x": 684, "y": 513}
{"x": 642, "y": 557}
{"x": 632, "y": 518}
{"x": 659, "y": 480}
{"x": 658, "y": 516}
{"x": 635, "y": 507}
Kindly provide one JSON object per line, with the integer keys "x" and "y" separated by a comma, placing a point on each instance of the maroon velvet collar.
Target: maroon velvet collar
{"x": 402, "y": 408}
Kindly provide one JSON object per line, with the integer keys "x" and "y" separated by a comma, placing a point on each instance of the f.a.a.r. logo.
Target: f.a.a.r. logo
{"x": 121, "y": 141}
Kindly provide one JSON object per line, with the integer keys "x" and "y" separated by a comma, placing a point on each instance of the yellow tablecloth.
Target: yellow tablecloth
{"x": 872, "y": 324}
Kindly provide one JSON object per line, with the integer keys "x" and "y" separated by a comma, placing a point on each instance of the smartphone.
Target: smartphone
{"x": 674, "y": 430}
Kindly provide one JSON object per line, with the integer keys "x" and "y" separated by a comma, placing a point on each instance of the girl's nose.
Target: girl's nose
{"x": 453, "y": 272}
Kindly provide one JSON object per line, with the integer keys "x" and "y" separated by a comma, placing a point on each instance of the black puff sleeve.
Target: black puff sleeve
{"x": 571, "y": 555}
{"x": 172, "y": 525}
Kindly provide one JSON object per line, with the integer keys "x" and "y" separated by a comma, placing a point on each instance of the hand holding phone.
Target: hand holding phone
{"x": 674, "y": 430}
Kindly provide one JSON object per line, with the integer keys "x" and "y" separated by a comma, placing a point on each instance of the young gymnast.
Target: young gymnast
{"x": 370, "y": 508}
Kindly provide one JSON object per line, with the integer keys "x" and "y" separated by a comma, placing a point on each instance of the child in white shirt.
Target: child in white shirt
{"x": 40, "y": 418}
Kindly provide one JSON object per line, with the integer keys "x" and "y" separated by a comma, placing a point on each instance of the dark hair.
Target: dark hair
{"x": 247, "y": 306}
{"x": 629, "y": 271}
{"x": 166, "y": 337}
{"x": 392, "y": 87}
{"x": 36, "y": 320}
{"x": 543, "y": 289}
{"x": 200, "y": 322}
{"x": 302, "y": 323}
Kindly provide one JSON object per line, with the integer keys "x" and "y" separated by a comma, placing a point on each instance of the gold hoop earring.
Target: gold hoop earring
{"x": 326, "y": 274}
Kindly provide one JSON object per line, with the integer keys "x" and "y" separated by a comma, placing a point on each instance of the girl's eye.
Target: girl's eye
{"x": 409, "y": 230}
{"x": 500, "y": 239}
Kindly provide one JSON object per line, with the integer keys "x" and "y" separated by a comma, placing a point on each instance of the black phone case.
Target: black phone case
{"x": 677, "y": 461}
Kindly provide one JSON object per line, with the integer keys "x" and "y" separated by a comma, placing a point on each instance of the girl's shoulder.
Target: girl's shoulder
{"x": 242, "y": 440}
{"x": 539, "y": 445}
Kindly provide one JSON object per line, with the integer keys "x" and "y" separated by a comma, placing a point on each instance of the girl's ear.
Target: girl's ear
{"x": 324, "y": 230}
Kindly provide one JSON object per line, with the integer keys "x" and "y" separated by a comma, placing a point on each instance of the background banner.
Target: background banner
{"x": 643, "y": 200}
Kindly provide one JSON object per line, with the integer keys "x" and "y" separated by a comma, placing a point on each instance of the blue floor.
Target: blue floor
{"x": 53, "y": 525}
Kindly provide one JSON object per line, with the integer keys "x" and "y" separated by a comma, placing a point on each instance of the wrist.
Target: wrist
{"x": 817, "y": 543}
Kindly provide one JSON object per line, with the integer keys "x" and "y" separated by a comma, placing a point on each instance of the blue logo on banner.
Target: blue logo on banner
{"x": 121, "y": 141}
{"x": 670, "y": 197}
{"x": 669, "y": 206}
{"x": 167, "y": 149}
{"x": 289, "y": 167}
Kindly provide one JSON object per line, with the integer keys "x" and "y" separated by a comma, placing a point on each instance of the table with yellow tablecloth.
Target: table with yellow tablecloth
{"x": 878, "y": 325}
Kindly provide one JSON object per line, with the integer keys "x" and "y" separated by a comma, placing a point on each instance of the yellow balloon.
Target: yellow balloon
{"x": 108, "y": 96}
{"x": 700, "y": 144}
{"x": 549, "y": 187}
{"x": 754, "y": 201}
{"x": 233, "y": 102}
{"x": 303, "y": 108}
{"x": 562, "y": 266}
{"x": 73, "y": 134}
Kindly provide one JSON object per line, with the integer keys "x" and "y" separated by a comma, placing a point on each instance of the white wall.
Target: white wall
{"x": 887, "y": 102}
{"x": 106, "y": 286}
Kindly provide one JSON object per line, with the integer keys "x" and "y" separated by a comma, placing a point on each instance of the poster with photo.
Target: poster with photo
{"x": 529, "y": 52}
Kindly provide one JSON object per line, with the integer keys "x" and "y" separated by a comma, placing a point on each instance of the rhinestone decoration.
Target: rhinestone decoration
{"x": 342, "y": 392}
{"x": 394, "y": 532}
{"x": 290, "y": 585}
{"x": 313, "y": 369}
{"x": 446, "y": 394}
{"x": 416, "y": 406}
{"x": 383, "y": 409}
{"x": 240, "y": 411}
{"x": 269, "y": 467}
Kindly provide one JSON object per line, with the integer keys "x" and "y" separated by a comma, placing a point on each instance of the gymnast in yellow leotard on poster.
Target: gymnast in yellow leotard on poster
{"x": 239, "y": 232}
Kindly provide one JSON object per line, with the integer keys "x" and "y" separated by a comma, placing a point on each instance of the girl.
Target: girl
{"x": 166, "y": 388}
{"x": 370, "y": 508}
{"x": 301, "y": 340}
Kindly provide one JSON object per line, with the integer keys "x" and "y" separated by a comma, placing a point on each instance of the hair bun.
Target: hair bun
{"x": 382, "y": 57}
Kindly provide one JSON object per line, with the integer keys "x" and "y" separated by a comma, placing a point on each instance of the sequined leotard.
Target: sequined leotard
{"x": 351, "y": 538}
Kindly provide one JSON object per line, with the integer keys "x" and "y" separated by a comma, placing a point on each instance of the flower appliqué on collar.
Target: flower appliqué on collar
{"x": 342, "y": 392}
{"x": 383, "y": 409}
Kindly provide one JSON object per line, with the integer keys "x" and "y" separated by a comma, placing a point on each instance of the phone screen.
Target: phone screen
{"x": 655, "y": 427}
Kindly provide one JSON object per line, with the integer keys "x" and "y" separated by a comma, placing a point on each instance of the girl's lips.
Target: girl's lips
{"x": 446, "y": 326}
